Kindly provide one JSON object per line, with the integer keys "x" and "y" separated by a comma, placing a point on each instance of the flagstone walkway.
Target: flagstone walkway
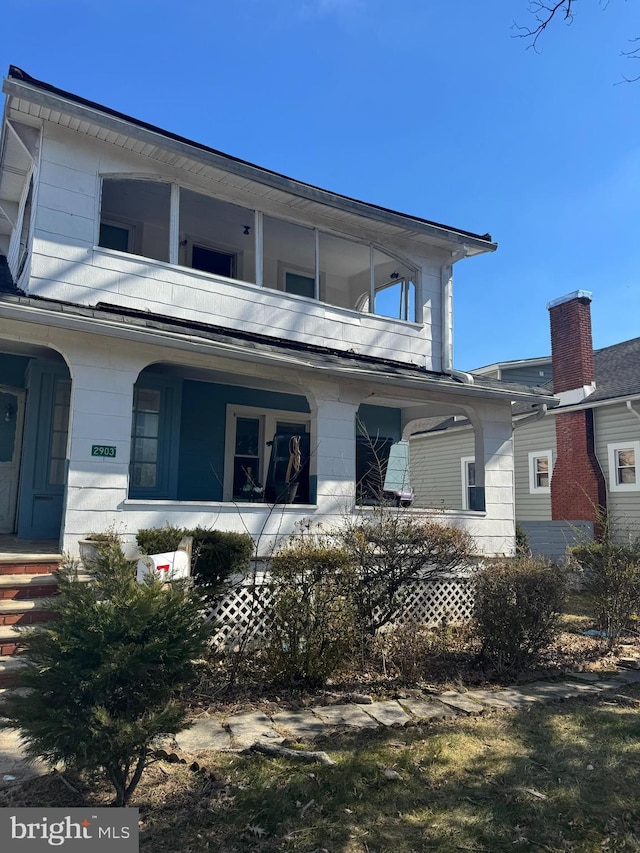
{"x": 239, "y": 731}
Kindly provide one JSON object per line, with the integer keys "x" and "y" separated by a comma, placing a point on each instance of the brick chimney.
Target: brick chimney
{"x": 578, "y": 489}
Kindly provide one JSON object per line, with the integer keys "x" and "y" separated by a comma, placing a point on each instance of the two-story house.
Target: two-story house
{"x": 184, "y": 336}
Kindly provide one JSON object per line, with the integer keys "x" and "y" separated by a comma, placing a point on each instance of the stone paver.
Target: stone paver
{"x": 422, "y": 709}
{"x": 503, "y": 699}
{"x": 248, "y": 728}
{"x": 631, "y": 676}
{"x": 303, "y": 725}
{"x": 204, "y": 734}
{"x": 388, "y": 713}
{"x": 345, "y": 715}
{"x": 460, "y": 702}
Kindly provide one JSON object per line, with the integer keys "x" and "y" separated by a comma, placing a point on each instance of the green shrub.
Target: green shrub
{"x": 105, "y": 675}
{"x": 216, "y": 555}
{"x": 313, "y": 616}
{"x": 611, "y": 582}
{"x": 523, "y": 549}
{"x": 517, "y": 610}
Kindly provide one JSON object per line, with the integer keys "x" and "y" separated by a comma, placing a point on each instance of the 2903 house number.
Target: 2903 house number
{"x": 103, "y": 450}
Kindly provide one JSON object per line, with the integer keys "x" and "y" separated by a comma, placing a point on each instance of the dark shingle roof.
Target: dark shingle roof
{"x": 6, "y": 282}
{"x": 617, "y": 370}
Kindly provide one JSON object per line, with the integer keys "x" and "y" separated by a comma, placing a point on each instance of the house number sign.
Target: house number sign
{"x": 103, "y": 450}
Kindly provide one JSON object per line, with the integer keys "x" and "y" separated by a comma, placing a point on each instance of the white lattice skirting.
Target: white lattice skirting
{"x": 244, "y": 612}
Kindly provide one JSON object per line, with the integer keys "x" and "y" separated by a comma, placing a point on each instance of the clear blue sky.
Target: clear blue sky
{"x": 430, "y": 107}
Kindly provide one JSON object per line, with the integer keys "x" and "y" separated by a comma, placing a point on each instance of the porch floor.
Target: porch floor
{"x": 12, "y": 547}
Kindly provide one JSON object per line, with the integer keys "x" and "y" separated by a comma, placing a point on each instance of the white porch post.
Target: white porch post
{"x": 333, "y": 451}
{"x": 494, "y": 446}
{"x": 102, "y": 380}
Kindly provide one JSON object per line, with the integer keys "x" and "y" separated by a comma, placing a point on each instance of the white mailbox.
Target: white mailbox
{"x": 175, "y": 565}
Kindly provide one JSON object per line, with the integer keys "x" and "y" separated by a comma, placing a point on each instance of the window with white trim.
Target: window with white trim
{"x": 623, "y": 470}
{"x": 468, "y": 472}
{"x": 250, "y": 473}
{"x": 540, "y": 468}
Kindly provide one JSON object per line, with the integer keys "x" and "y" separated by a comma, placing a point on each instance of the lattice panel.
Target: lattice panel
{"x": 245, "y": 611}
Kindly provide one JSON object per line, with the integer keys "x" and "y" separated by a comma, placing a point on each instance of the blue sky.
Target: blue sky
{"x": 430, "y": 107}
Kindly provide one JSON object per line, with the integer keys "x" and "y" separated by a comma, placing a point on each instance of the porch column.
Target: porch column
{"x": 100, "y": 416}
{"x": 333, "y": 451}
{"x": 494, "y": 448}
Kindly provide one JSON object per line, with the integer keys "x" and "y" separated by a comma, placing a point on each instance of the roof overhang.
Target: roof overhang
{"x": 41, "y": 101}
{"x": 399, "y": 380}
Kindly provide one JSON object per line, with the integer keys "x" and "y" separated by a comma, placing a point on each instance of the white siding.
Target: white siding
{"x": 67, "y": 266}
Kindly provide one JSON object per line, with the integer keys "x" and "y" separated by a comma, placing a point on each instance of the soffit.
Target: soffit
{"x": 349, "y": 214}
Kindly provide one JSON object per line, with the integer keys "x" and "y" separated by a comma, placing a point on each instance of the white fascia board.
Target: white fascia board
{"x": 439, "y": 234}
{"x": 112, "y": 327}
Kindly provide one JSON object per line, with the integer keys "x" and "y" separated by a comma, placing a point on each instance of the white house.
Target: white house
{"x": 167, "y": 310}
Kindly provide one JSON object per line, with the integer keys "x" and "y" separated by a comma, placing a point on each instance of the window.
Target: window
{"x": 213, "y": 261}
{"x": 134, "y": 217}
{"x": 145, "y": 439}
{"x": 623, "y": 460}
{"x": 301, "y": 285}
{"x": 540, "y": 467}
{"x": 263, "y": 459}
{"x": 469, "y": 498}
{"x": 60, "y": 427}
{"x": 118, "y": 237}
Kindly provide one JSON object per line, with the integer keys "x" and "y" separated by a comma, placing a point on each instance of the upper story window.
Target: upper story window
{"x": 540, "y": 466}
{"x": 623, "y": 466}
{"x": 154, "y": 220}
{"x": 135, "y": 216}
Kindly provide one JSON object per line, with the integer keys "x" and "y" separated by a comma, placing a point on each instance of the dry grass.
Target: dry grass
{"x": 563, "y": 777}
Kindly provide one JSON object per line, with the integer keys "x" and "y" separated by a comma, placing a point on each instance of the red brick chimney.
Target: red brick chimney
{"x": 578, "y": 489}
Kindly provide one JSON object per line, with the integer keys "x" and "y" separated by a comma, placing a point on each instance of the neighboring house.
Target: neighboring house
{"x": 569, "y": 460}
{"x": 182, "y": 332}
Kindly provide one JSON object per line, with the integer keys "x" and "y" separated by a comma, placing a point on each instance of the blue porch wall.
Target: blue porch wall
{"x": 202, "y": 432}
{"x": 13, "y": 370}
{"x": 381, "y": 421}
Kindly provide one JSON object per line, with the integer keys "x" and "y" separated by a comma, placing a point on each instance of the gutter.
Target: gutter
{"x": 632, "y": 410}
{"x": 193, "y": 343}
{"x": 541, "y": 411}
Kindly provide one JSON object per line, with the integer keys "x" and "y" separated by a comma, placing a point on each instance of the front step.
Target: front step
{"x": 26, "y": 582}
{"x": 9, "y": 665}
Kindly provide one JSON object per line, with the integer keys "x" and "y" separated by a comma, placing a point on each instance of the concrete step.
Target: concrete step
{"x": 25, "y": 611}
{"x": 9, "y": 665}
{"x": 23, "y": 585}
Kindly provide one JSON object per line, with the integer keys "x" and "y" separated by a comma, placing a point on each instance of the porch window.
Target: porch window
{"x": 623, "y": 461}
{"x": 540, "y": 465}
{"x": 59, "y": 431}
{"x": 146, "y": 436}
{"x": 134, "y": 217}
{"x": 289, "y": 262}
{"x": 267, "y": 455}
{"x": 394, "y": 288}
{"x": 469, "y": 497}
{"x": 216, "y": 236}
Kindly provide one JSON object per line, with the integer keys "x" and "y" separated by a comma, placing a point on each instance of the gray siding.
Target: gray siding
{"x": 552, "y": 538}
{"x": 614, "y": 425}
{"x": 532, "y": 437}
{"x": 527, "y": 375}
{"x": 435, "y": 467}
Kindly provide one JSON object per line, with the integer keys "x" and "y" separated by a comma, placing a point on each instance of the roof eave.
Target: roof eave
{"x": 94, "y": 113}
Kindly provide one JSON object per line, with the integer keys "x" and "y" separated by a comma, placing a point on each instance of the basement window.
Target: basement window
{"x": 623, "y": 461}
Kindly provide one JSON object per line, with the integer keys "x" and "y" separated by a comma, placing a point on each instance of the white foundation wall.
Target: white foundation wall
{"x": 67, "y": 265}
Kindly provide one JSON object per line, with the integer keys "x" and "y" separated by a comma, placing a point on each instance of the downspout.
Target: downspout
{"x": 540, "y": 412}
{"x": 632, "y": 410}
{"x": 446, "y": 291}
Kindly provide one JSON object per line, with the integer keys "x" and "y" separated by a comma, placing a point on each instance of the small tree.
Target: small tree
{"x": 104, "y": 677}
{"x": 392, "y": 548}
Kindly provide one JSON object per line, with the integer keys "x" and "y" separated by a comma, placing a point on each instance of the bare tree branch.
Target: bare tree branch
{"x": 544, "y": 13}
